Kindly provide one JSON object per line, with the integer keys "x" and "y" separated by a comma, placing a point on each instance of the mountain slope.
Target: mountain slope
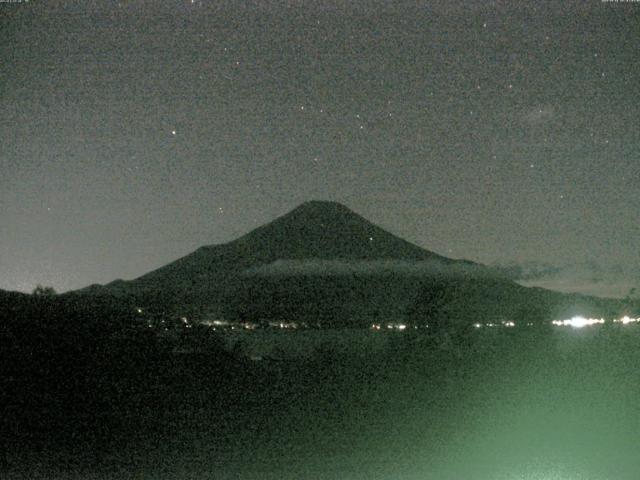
{"x": 314, "y": 230}
{"x": 329, "y": 230}
{"x": 323, "y": 262}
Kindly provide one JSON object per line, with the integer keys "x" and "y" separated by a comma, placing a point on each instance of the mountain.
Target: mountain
{"x": 326, "y": 263}
{"x": 313, "y": 231}
{"x": 328, "y": 230}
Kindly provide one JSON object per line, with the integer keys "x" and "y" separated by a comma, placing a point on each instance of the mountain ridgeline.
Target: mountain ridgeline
{"x": 324, "y": 264}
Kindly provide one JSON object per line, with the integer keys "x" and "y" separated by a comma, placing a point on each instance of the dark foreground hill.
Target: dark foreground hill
{"x": 326, "y": 264}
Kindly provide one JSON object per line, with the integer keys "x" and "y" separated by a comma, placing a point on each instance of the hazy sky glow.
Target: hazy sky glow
{"x": 133, "y": 132}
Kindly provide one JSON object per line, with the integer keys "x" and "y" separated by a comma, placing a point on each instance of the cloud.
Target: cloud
{"x": 528, "y": 271}
{"x": 587, "y": 277}
{"x": 370, "y": 267}
{"x": 539, "y": 115}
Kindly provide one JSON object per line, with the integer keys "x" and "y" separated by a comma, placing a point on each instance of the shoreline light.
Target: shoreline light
{"x": 626, "y": 319}
{"x": 578, "y": 322}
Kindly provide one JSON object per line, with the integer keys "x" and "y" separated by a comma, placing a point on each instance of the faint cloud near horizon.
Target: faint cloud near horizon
{"x": 589, "y": 278}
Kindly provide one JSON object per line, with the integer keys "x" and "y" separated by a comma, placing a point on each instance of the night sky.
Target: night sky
{"x": 133, "y": 132}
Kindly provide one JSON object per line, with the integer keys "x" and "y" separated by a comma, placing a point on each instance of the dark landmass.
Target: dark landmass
{"x": 84, "y": 376}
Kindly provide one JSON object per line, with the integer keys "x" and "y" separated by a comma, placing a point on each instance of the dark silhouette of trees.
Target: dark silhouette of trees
{"x": 41, "y": 291}
{"x": 632, "y": 301}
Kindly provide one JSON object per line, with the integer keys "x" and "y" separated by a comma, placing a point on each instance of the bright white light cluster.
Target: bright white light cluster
{"x": 578, "y": 322}
{"x": 626, "y": 319}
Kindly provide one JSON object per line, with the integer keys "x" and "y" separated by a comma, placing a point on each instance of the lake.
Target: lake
{"x": 497, "y": 404}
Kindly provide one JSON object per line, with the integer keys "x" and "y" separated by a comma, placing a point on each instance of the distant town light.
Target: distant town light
{"x": 626, "y": 319}
{"x": 578, "y": 322}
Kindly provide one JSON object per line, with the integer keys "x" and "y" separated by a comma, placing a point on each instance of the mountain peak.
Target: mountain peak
{"x": 322, "y": 207}
{"x": 328, "y": 230}
{"x": 321, "y": 204}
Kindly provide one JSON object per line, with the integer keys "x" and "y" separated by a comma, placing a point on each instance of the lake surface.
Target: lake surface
{"x": 559, "y": 404}
{"x": 292, "y": 344}
{"x": 504, "y": 405}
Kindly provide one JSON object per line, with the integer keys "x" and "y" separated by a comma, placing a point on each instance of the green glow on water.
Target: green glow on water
{"x": 501, "y": 404}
